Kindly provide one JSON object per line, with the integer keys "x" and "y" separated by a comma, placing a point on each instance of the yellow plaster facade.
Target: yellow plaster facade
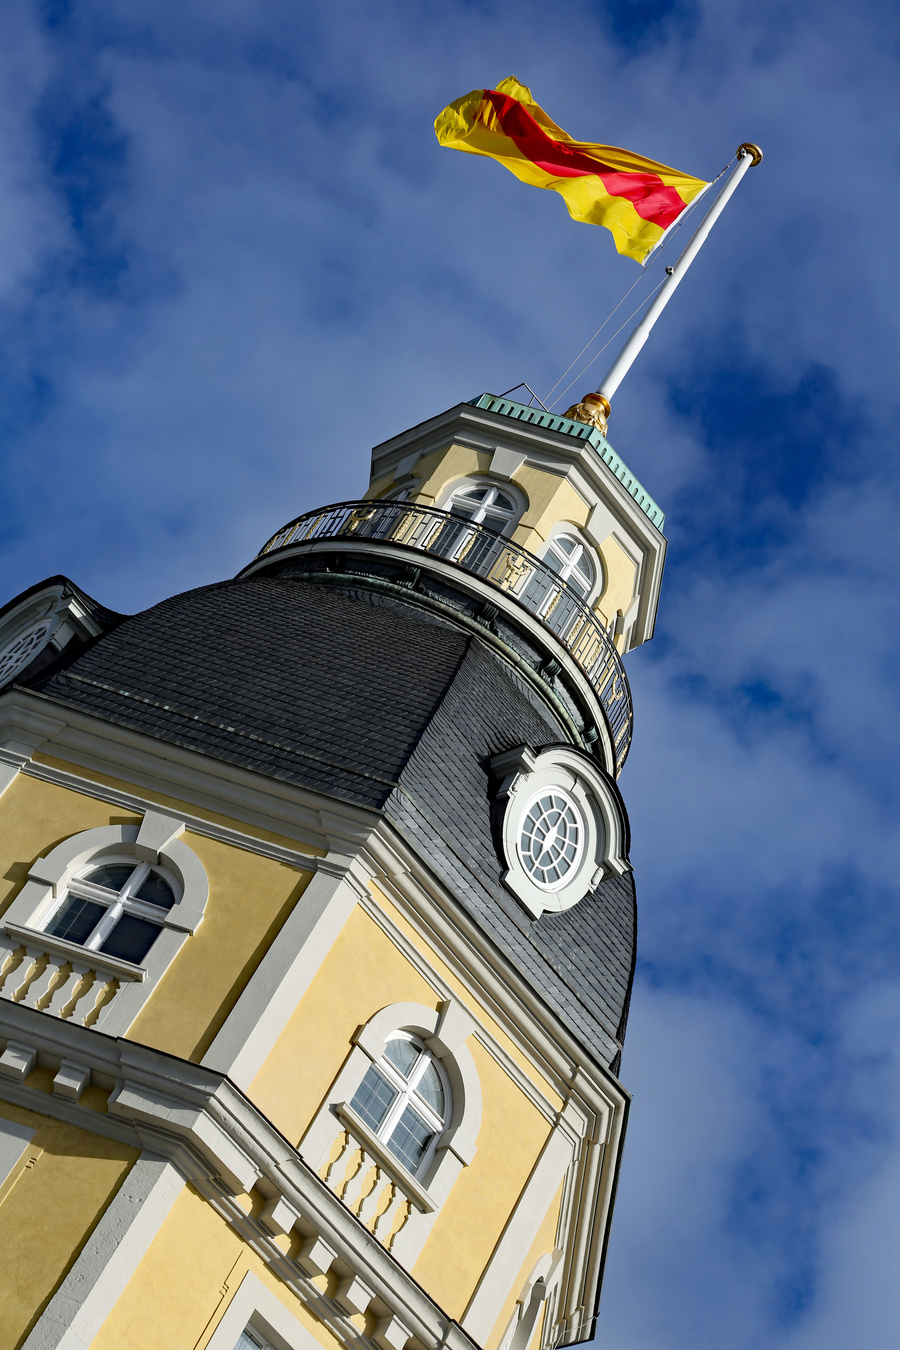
{"x": 249, "y": 899}
{"x": 544, "y": 1242}
{"x": 364, "y": 972}
{"x": 35, "y": 817}
{"x": 158, "y": 1310}
{"x": 49, "y": 1211}
{"x": 177, "y": 805}
{"x": 460, "y": 991}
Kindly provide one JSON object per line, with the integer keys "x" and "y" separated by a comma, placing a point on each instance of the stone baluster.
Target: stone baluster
{"x": 395, "y": 1217}
{"x": 8, "y": 948}
{"x": 355, "y": 1179}
{"x": 87, "y": 1000}
{"x": 24, "y": 973}
{"x": 370, "y": 1190}
{"x": 40, "y": 987}
{"x": 62, "y": 994}
{"x": 338, "y": 1149}
{"x": 377, "y": 1201}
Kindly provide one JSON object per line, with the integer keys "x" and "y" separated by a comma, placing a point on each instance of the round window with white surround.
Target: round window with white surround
{"x": 20, "y": 651}
{"x": 561, "y": 826}
{"x": 551, "y": 839}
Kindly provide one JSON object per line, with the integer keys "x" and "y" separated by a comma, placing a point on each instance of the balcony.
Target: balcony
{"x": 523, "y": 578}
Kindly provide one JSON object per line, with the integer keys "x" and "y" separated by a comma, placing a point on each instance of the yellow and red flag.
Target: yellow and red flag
{"x": 636, "y": 198}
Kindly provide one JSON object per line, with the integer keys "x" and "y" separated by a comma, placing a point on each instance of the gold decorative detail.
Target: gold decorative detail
{"x": 593, "y": 409}
{"x": 750, "y": 149}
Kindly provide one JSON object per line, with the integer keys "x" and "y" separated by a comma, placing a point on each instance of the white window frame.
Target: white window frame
{"x": 154, "y": 841}
{"x": 570, "y": 565}
{"x": 116, "y": 903}
{"x": 256, "y": 1309}
{"x": 525, "y": 773}
{"x": 407, "y": 1096}
{"x": 558, "y": 793}
{"x": 492, "y": 490}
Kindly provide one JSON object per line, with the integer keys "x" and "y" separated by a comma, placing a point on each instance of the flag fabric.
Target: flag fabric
{"x": 636, "y": 198}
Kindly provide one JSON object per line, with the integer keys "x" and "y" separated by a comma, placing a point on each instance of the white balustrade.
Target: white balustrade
{"x": 58, "y": 977}
{"x": 373, "y": 1191}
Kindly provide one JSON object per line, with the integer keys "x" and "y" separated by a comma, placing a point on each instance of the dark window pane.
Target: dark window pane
{"x": 431, "y": 1090}
{"x": 156, "y": 892}
{"x": 113, "y": 875}
{"x": 410, "y": 1139}
{"x": 76, "y": 919}
{"x": 402, "y": 1054}
{"x": 373, "y": 1098}
{"x": 131, "y": 939}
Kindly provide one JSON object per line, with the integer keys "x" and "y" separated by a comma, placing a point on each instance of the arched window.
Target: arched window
{"x": 572, "y": 562}
{"x": 485, "y": 505}
{"x": 492, "y": 509}
{"x": 569, "y": 560}
{"x": 100, "y": 920}
{"x": 405, "y": 1100}
{"x": 117, "y": 908}
{"x": 400, "y": 1121}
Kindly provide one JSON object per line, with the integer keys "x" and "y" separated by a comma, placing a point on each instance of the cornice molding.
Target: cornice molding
{"x": 255, "y": 799}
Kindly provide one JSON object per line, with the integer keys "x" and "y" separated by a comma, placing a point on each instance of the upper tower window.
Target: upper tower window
{"x": 404, "y": 1099}
{"x": 487, "y": 506}
{"x": 117, "y": 908}
{"x": 571, "y": 560}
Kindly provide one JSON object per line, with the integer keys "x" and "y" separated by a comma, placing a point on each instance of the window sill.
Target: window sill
{"x": 414, "y": 1190}
{"x": 72, "y": 951}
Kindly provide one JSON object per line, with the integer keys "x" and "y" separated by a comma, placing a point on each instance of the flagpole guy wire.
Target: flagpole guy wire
{"x": 648, "y": 261}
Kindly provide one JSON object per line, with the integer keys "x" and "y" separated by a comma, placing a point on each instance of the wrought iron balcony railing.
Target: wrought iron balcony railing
{"x": 501, "y": 563}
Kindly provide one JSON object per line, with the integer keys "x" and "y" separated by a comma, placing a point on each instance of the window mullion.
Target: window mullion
{"x": 105, "y": 926}
{"x": 136, "y": 880}
{"x": 392, "y": 1119}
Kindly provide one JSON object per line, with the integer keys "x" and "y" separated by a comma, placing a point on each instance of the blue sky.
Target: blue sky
{"x": 233, "y": 258}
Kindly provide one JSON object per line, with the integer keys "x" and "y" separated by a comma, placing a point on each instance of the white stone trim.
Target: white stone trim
{"x": 109, "y": 1258}
{"x": 255, "y": 1308}
{"x": 130, "y": 801}
{"x": 541, "y": 1283}
{"x": 523, "y": 774}
{"x": 443, "y": 990}
{"x": 467, "y": 481}
{"x": 263, "y": 803}
{"x": 546, "y": 450}
{"x": 282, "y": 977}
{"x": 22, "y": 731}
{"x": 567, "y": 529}
{"x": 155, "y": 840}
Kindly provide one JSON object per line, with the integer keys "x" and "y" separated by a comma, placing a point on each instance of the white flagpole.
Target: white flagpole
{"x": 747, "y": 155}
